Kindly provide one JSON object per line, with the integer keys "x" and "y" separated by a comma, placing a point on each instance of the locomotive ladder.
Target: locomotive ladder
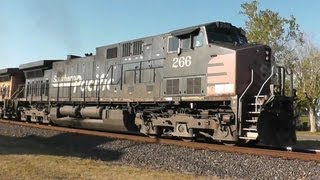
{"x": 254, "y": 107}
{"x": 249, "y": 128}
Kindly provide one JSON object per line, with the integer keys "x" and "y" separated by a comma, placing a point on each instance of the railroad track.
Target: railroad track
{"x": 279, "y": 152}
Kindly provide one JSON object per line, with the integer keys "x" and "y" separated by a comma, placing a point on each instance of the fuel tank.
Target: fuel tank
{"x": 97, "y": 118}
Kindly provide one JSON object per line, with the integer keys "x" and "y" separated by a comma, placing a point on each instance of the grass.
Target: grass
{"x": 308, "y": 144}
{"x": 304, "y": 119}
{"x": 55, "y": 167}
{"x": 308, "y": 133}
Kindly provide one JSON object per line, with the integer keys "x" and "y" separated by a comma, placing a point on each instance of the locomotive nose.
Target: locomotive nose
{"x": 256, "y": 58}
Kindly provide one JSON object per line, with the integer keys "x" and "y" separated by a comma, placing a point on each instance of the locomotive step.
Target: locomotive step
{"x": 248, "y": 138}
{"x": 252, "y": 120}
{"x": 254, "y": 112}
{"x": 260, "y": 96}
{"x": 249, "y": 129}
{"x": 253, "y": 104}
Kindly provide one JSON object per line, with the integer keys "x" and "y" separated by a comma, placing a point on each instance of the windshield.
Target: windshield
{"x": 229, "y": 35}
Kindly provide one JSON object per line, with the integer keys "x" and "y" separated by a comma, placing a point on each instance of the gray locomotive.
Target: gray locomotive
{"x": 203, "y": 81}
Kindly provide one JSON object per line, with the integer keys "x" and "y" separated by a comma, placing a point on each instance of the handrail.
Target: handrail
{"x": 240, "y": 102}
{"x": 272, "y": 71}
{"x": 247, "y": 86}
{"x": 17, "y": 92}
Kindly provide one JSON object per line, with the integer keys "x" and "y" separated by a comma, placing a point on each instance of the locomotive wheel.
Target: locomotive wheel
{"x": 153, "y": 136}
{"x": 188, "y": 139}
{"x": 229, "y": 143}
{"x": 156, "y": 131}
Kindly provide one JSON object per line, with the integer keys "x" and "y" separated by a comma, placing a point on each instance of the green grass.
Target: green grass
{"x": 304, "y": 119}
{"x": 309, "y": 144}
{"x": 308, "y": 133}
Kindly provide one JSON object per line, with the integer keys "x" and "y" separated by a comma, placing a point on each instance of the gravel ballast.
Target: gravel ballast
{"x": 155, "y": 156}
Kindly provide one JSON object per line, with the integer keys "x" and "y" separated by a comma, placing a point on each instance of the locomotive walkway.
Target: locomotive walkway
{"x": 284, "y": 153}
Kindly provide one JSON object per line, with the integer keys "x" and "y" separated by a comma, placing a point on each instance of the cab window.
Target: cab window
{"x": 198, "y": 40}
{"x": 173, "y": 44}
{"x": 186, "y": 42}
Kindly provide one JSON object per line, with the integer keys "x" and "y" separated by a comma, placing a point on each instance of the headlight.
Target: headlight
{"x": 267, "y": 55}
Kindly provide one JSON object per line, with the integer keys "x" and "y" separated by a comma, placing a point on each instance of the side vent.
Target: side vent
{"x": 126, "y": 49}
{"x": 137, "y": 48}
{"x": 194, "y": 85}
{"x": 172, "y": 86}
{"x": 34, "y": 74}
{"x": 112, "y": 53}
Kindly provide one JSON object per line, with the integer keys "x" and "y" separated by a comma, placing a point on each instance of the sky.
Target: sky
{"x": 32, "y": 30}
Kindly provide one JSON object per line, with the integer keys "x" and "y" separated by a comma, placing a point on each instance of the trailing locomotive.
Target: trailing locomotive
{"x": 10, "y": 89}
{"x": 202, "y": 81}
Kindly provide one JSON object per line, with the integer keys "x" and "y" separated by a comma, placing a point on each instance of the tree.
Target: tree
{"x": 268, "y": 27}
{"x": 305, "y": 63}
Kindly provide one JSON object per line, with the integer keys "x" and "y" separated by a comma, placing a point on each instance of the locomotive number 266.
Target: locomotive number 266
{"x": 181, "y": 62}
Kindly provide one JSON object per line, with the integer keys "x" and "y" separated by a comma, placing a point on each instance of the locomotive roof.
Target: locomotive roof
{"x": 37, "y": 64}
{"x": 9, "y": 71}
{"x": 182, "y": 31}
{"x": 189, "y": 30}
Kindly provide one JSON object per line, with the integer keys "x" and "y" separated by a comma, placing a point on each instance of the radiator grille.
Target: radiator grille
{"x": 194, "y": 85}
{"x": 126, "y": 49}
{"x": 137, "y": 48}
{"x": 172, "y": 86}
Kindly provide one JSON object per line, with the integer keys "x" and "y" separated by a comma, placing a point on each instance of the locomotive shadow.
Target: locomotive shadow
{"x": 67, "y": 144}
